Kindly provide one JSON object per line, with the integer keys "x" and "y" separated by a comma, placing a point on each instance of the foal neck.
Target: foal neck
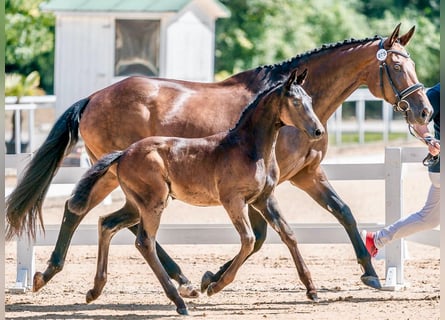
{"x": 259, "y": 124}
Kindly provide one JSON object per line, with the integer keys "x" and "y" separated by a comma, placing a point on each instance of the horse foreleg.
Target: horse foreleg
{"x": 237, "y": 211}
{"x": 69, "y": 224}
{"x": 271, "y": 212}
{"x": 186, "y": 289}
{"x": 259, "y": 227}
{"x": 318, "y": 187}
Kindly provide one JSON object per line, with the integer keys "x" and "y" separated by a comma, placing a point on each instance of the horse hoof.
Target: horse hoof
{"x": 182, "y": 311}
{"x": 371, "y": 281}
{"x": 206, "y": 280}
{"x": 211, "y": 289}
{"x": 187, "y": 291}
{"x": 312, "y": 296}
{"x": 38, "y": 281}
{"x": 90, "y": 296}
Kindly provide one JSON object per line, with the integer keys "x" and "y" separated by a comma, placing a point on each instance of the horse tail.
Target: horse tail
{"x": 24, "y": 204}
{"x": 80, "y": 198}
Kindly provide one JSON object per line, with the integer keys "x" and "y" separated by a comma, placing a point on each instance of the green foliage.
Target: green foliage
{"x": 29, "y": 37}
{"x": 267, "y": 31}
{"x": 258, "y": 32}
{"x": 18, "y": 85}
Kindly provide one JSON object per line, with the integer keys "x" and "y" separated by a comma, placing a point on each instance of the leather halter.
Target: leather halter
{"x": 401, "y": 104}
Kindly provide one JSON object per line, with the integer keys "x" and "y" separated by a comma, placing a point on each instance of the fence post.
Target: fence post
{"x": 393, "y": 212}
{"x": 25, "y": 248}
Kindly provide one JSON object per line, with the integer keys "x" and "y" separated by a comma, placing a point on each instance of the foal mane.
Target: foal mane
{"x": 254, "y": 102}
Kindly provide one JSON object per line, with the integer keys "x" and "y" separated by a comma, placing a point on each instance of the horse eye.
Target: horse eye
{"x": 397, "y": 67}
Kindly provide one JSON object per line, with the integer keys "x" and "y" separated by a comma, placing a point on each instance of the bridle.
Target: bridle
{"x": 401, "y": 104}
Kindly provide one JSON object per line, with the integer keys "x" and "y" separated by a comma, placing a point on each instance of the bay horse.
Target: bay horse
{"x": 137, "y": 107}
{"x": 201, "y": 171}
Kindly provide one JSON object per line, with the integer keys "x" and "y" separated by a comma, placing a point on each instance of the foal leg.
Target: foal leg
{"x": 186, "y": 288}
{"x": 237, "y": 211}
{"x": 271, "y": 212}
{"x": 259, "y": 227}
{"x": 108, "y": 226}
{"x": 151, "y": 203}
{"x": 318, "y": 187}
{"x": 128, "y": 217}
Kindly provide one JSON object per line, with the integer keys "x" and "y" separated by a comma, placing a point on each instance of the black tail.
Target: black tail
{"x": 24, "y": 204}
{"x": 81, "y": 194}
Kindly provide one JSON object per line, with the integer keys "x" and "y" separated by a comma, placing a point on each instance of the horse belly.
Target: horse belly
{"x": 196, "y": 196}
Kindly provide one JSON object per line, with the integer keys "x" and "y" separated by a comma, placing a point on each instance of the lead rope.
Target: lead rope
{"x": 429, "y": 160}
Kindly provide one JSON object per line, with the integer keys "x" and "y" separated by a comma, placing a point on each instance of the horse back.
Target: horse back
{"x": 138, "y": 107}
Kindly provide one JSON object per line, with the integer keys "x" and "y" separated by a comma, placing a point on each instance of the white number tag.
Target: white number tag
{"x": 381, "y": 55}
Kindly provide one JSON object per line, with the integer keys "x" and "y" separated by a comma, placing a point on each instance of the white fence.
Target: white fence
{"x": 337, "y": 126}
{"x": 390, "y": 171}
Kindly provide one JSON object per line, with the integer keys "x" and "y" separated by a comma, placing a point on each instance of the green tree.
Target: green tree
{"x": 267, "y": 31}
{"x": 29, "y": 37}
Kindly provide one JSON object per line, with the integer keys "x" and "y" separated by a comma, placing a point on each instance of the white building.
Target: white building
{"x": 99, "y": 42}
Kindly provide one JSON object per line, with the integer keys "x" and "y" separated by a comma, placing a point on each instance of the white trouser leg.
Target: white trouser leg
{"x": 425, "y": 219}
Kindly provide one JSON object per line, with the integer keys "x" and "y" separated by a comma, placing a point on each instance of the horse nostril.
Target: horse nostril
{"x": 426, "y": 114}
{"x": 318, "y": 132}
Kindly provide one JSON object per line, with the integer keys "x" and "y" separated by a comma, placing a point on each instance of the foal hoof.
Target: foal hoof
{"x": 38, "y": 281}
{"x": 188, "y": 291}
{"x": 371, "y": 281}
{"x": 182, "y": 311}
{"x": 312, "y": 295}
{"x": 206, "y": 280}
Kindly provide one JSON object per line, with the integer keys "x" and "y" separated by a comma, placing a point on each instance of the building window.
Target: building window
{"x": 137, "y": 47}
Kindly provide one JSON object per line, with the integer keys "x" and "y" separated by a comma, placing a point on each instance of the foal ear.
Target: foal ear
{"x": 395, "y": 35}
{"x": 291, "y": 79}
{"x": 302, "y": 77}
{"x": 407, "y": 36}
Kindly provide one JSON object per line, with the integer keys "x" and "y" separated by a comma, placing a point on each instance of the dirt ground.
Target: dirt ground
{"x": 267, "y": 285}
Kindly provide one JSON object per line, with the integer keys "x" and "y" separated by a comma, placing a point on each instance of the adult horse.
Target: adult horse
{"x": 200, "y": 171}
{"x": 137, "y": 107}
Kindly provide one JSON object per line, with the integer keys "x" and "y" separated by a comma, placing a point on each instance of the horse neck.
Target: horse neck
{"x": 258, "y": 127}
{"x": 335, "y": 72}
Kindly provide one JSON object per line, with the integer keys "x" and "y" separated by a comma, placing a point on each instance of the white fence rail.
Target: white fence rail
{"x": 390, "y": 171}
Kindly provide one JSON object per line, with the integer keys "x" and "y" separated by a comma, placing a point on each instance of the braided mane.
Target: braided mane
{"x": 323, "y": 48}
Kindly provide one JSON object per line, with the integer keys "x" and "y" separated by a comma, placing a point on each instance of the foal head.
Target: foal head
{"x": 296, "y": 107}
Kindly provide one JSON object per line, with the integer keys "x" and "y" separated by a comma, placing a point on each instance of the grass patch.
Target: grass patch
{"x": 353, "y": 137}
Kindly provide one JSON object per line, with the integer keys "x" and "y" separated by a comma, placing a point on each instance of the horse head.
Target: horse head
{"x": 396, "y": 80}
{"x": 296, "y": 107}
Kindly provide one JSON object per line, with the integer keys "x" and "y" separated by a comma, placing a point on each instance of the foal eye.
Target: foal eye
{"x": 397, "y": 67}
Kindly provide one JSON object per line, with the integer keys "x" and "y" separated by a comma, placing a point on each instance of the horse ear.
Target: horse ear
{"x": 291, "y": 79}
{"x": 302, "y": 77}
{"x": 407, "y": 36}
{"x": 394, "y": 36}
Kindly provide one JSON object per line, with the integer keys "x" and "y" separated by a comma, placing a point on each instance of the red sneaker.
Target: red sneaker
{"x": 368, "y": 239}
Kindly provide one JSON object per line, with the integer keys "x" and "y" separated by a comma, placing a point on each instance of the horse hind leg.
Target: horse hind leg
{"x": 69, "y": 224}
{"x": 151, "y": 205}
{"x": 108, "y": 227}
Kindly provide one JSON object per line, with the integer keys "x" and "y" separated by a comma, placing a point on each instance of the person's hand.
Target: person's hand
{"x": 433, "y": 145}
